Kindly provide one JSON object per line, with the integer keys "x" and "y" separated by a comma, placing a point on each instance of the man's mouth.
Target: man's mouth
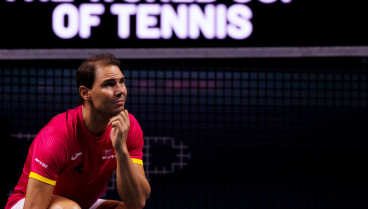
{"x": 119, "y": 102}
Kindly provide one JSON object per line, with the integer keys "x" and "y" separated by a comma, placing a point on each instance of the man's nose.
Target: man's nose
{"x": 119, "y": 95}
{"x": 120, "y": 90}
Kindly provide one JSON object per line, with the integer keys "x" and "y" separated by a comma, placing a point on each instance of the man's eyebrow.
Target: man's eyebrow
{"x": 108, "y": 80}
{"x": 112, "y": 79}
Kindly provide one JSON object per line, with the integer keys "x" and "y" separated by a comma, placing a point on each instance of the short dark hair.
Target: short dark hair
{"x": 85, "y": 75}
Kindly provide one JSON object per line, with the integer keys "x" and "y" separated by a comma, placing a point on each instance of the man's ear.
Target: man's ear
{"x": 85, "y": 92}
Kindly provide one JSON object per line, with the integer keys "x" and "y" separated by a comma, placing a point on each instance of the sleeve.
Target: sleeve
{"x": 48, "y": 155}
{"x": 135, "y": 141}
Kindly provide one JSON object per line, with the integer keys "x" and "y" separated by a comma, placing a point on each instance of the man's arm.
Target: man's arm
{"x": 38, "y": 194}
{"x": 133, "y": 187}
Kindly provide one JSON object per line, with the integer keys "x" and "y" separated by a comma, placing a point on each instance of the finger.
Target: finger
{"x": 121, "y": 120}
{"x": 126, "y": 117}
{"x": 126, "y": 113}
{"x": 114, "y": 123}
{"x": 112, "y": 120}
{"x": 117, "y": 125}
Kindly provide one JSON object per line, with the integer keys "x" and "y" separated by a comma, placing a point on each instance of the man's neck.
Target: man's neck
{"x": 95, "y": 122}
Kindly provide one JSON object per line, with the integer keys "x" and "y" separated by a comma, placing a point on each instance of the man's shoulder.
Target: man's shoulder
{"x": 68, "y": 117}
{"x": 132, "y": 119}
{"x": 68, "y": 114}
{"x": 134, "y": 124}
{"x": 135, "y": 130}
{"x": 62, "y": 124}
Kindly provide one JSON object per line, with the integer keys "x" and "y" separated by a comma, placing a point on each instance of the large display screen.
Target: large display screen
{"x": 32, "y": 24}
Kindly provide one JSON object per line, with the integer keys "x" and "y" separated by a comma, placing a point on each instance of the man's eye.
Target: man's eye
{"x": 109, "y": 84}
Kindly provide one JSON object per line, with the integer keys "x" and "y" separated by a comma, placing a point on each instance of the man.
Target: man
{"x": 71, "y": 160}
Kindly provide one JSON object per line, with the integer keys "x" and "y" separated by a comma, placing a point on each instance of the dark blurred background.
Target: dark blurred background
{"x": 230, "y": 133}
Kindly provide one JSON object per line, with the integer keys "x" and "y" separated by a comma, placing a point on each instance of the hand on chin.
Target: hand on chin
{"x": 118, "y": 110}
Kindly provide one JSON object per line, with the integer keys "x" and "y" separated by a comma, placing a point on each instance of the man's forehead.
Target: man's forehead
{"x": 108, "y": 72}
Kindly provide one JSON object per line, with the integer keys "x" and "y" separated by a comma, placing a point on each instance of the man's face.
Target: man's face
{"x": 108, "y": 93}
